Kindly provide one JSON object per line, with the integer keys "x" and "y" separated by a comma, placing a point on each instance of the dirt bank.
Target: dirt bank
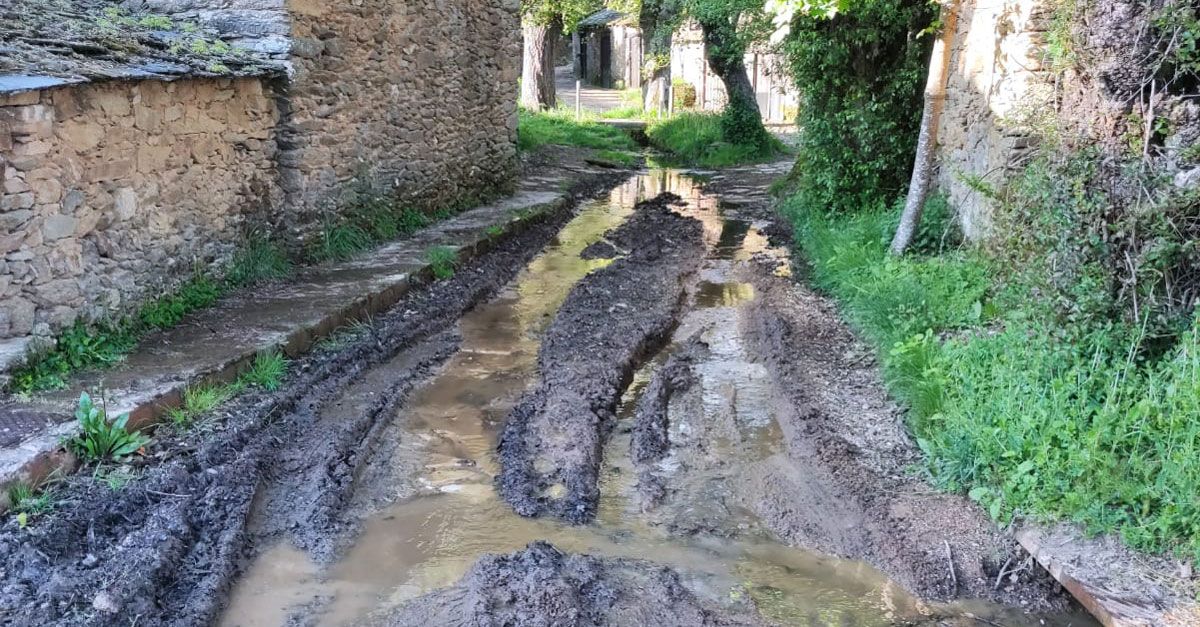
{"x": 543, "y": 587}
{"x": 164, "y": 549}
{"x": 550, "y": 450}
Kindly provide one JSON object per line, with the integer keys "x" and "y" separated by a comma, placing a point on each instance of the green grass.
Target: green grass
{"x": 560, "y": 127}
{"x": 267, "y": 371}
{"x": 259, "y": 261}
{"x": 621, "y": 158}
{"x": 1029, "y": 420}
{"x": 697, "y": 139}
{"x": 442, "y": 260}
{"x": 23, "y": 499}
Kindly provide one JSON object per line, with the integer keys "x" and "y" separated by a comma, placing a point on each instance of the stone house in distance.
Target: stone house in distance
{"x": 607, "y": 51}
{"x": 143, "y": 141}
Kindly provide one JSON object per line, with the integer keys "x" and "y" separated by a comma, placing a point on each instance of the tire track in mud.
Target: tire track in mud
{"x": 165, "y": 549}
{"x": 611, "y": 322}
{"x": 843, "y": 485}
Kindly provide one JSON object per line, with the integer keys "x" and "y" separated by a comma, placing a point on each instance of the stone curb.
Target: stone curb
{"x": 37, "y": 459}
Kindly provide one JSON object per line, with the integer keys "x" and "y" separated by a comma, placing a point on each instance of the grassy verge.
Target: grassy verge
{"x": 1032, "y": 420}
{"x": 560, "y": 127}
{"x": 697, "y": 139}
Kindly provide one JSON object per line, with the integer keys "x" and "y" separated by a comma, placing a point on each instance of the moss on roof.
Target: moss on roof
{"x": 47, "y": 42}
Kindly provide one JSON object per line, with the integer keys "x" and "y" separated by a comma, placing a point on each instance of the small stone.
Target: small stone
{"x": 125, "y": 204}
{"x": 58, "y": 227}
{"x": 89, "y": 561}
{"x": 104, "y": 602}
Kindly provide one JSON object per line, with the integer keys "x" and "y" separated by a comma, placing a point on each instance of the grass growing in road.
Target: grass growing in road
{"x": 442, "y": 260}
{"x": 24, "y": 499}
{"x": 697, "y": 139}
{"x": 266, "y": 371}
{"x": 1032, "y": 419}
{"x": 560, "y": 127}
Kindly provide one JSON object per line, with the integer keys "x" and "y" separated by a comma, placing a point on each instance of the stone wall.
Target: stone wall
{"x": 113, "y": 190}
{"x": 418, "y": 97}
{"x": 996, "y": 93}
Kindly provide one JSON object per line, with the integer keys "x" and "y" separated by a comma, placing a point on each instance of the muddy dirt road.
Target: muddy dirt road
{"x": 629, "y": 414}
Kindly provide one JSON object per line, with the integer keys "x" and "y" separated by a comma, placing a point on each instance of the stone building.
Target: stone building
{"x": 143, "y": 142}
{"x": 608, "y": 51}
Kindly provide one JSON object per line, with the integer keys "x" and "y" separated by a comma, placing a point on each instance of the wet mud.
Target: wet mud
{"x": 613, "y": 319}
{"x": 544, "y": 587}
{"x": 165, "y": 549}
{"x": 629, "y": 415}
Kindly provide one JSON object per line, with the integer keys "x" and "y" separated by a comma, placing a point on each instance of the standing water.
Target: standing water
{"x": 430, "y": 509}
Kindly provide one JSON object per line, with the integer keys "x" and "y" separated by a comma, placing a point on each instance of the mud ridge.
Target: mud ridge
{"x": 849, "y": 441}
{"x": 550, "y": 448}
{"x": 543, "y": 587}
{"x": 650, "y": 437}
{"x": 165, "y": 548}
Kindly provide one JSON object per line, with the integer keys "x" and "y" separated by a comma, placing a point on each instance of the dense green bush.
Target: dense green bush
{"x": 860, "y": 75}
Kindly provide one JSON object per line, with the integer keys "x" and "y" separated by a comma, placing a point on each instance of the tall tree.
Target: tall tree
{"x": 543, "y": 23}
{"x": 935, "y": 99}
{"x": 730, "y": 27}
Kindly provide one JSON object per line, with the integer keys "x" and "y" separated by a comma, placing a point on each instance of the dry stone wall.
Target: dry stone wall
{"x": 113, "y": 190}
{"x": 996, "y": 92}
{"x": 418, "y": 98}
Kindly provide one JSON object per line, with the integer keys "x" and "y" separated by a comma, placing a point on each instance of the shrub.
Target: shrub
{"x": 861, "y": 75}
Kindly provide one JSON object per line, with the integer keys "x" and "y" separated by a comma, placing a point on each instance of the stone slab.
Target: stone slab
{"x": 1119, "y": 587}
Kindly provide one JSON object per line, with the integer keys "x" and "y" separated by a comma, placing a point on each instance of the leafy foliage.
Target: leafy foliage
{"x": 1027, "y": 382}
{"x": 100, "y": 440}
{"x": 860, "y": 75}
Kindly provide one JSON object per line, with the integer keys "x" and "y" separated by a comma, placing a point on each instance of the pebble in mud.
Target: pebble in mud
{"x": 544, "y": 587}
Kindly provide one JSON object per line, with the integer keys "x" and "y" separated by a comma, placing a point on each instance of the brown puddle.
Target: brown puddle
{"x": 430, "y": 539}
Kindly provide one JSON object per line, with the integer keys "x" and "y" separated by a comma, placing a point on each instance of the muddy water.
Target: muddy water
{"x": 431, "y": 510}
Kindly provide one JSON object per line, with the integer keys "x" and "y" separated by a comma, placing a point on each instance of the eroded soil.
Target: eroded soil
{"x": 631, "y": 415}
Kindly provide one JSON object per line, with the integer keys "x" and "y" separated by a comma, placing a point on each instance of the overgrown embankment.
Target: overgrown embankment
{"x": 1053, "y": 370}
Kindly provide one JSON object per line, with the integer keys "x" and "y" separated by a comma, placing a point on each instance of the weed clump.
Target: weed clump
{"x": 442, "y": 260}
{"x": 100, "y": 439}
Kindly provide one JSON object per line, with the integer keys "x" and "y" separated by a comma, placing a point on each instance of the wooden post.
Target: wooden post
{"x": 578, "y": 102}
{"x": 671, "y": 100}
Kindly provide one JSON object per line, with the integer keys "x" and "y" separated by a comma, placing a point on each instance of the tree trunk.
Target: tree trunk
{"x": 935, "y": 99}
{"x": 656, "y": 22}
{"x": 742, "y": 119}
{"x": 537, "y": 69}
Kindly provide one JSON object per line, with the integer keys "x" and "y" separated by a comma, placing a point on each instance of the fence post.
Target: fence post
{"x": 671, "y": 100}
{"x": 578, "y": 103}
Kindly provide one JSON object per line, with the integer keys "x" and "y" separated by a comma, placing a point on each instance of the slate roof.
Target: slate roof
{"x": 603, "y": 17}
{"x": 45, "y": 43}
